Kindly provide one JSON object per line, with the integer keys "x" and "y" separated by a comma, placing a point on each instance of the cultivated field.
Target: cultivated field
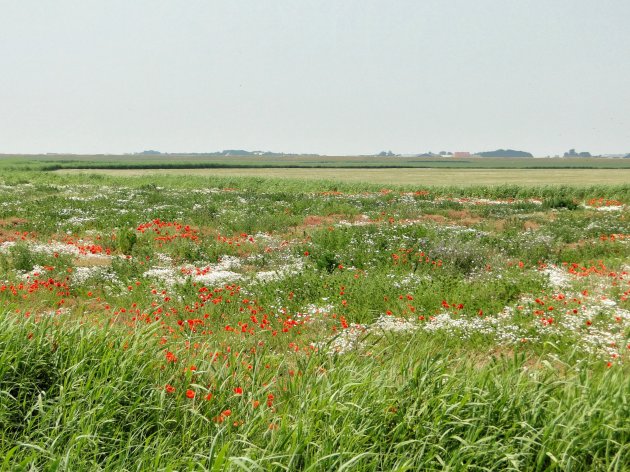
{"x": 175, "y": 161}
{"x": 194, "y": 322}
{"x": 423, "y": 177}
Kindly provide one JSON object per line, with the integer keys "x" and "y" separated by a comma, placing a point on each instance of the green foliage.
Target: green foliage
{"x": 327, "y": 261}
{"x": 23, "y": 258}
{"x": 126, "y": 241}
{"x": 559, "y": 202}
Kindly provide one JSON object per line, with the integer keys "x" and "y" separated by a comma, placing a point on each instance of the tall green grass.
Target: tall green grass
{"x": 78, "y": 398}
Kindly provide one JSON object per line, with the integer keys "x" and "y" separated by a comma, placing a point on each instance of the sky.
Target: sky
{"x": 332, "y": 77}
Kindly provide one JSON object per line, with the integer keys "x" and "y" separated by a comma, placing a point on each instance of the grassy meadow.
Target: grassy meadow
{"x": 198, "y": 320}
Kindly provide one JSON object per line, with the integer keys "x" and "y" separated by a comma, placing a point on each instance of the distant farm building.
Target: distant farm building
{"x": 461, "y": 154}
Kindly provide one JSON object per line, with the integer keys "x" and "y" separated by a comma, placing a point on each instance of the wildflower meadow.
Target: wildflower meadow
{"x": 230, "y": 323}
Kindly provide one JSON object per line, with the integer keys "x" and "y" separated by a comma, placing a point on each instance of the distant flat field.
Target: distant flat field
{"x": 170, "y": 161}
{"x": 435, "y": 176}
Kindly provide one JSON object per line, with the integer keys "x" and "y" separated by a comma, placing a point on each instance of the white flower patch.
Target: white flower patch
{"x": 345, "y": 341}
{"x": 362, "y": 220}
{"x": 6, "y": 245}
{"x": 461, "y": 327}
{"x": 265, "y": 238}
{"x": 36, "y": 272}
{"x": 80, "y": 275}
{"x": 292, "y": 266}
{"x": 411, "y": 280}
{"x": 449, "y": 230}
{"x": 227, "y": 263}
{"x": 408, "y": 198}
{"x": 216, "y": 277}
{"x": 498, "y": 326}
{"x": 393, "y": 324}
{"x": 217, "y": 274}
{"x": 164, "y": 259}
{"x": 612, "y": 208}
{"x": 343, "y": 223}
{"x": 487, "y": 201}
{"x": 268, "y": 276}
{"x": 56, "y": 247}
{"x": 606, "y": 208}
{"x": 558, "y": 278}
{"x": 597, "y": 326}
{"x": 167, "y": 275}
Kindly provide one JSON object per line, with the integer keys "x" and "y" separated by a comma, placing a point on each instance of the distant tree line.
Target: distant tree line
{"x": 572, "y": 153}
{"x": 505, "y": 153}
{"x": 389, "y": 153}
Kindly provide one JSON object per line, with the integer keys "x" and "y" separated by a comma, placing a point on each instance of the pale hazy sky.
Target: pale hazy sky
{"x": 321, "y": 76}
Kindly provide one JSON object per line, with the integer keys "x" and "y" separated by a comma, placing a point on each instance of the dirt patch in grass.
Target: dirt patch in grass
{"x": 440, "y": 219}
{"x": 470, "y": 221}
{"x": 320, "y": 220}
{"x": 459, "y": 214}
{"x": 499, "y": 225}
{"x": 317, "y": 221}
{"x": 483, "y": 359}
{"x": 530, "y": 225}
{"x": 543, "y": 216}
{"x": 8, "y": 234}
{"x": 93, "y": 261}
{"x": 506, "y": 353}
{"x": 461, "y": 218}
{"x": 576, "y": 245}
{"x": 464, "y": 217}
{"x": 12, "y": 221}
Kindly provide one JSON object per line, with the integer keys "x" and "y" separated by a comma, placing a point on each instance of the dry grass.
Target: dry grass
{"x": 13, "y": 221}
